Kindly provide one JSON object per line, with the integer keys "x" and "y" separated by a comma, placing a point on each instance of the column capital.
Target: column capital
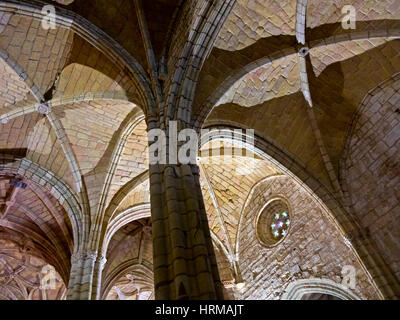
{"x": 83, "y": 255}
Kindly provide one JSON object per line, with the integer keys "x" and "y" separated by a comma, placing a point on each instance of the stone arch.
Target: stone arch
{"x": 34, "y": 90}
{"x": 128, "y": 266}
{"x": 305, "y": 251}
{"x": 127, "y": 128}
{"x": 206, "y": 27}
{"x": 113, "y": 206}
{"x": 369, "y": 166}
{"x": 57, "y": 188}
{"x": 297, "y": 289}
{"x": 27, "y": 262}
{"x": 323, "y": 197}
{"x": 266, "y": 150}
{"x": 99, "y": 39}
{"x": 129, "y": 215}
{"x": 236, "y": 75}
{"x": 259, "y": 57}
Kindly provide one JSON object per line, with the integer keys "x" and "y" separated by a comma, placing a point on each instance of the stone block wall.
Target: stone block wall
{"x": 313, "y": 248}
{"x": 372, "y": 171}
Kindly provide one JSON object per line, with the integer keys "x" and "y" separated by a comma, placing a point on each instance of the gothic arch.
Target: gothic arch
{"x": 265, "y": 150}
{"x": 97, "y": 37}
{"x": 361, "y": 173}
{"x": 131, "y": 266}
{"x": 297, "y": 289}
{"x": 129, "y": 215}
{"x": 56, "y": 187}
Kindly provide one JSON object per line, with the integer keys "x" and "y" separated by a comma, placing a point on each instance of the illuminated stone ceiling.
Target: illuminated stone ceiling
{"x": 90, "y": 149}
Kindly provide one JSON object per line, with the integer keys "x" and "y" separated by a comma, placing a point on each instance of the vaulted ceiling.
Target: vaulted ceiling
{"x": 94, "y": 142}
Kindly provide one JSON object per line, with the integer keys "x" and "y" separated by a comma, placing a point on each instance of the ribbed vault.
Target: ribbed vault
{"x": 76, "y": 102}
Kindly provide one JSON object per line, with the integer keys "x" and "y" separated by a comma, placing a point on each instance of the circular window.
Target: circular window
{"x": 273, "y": 222}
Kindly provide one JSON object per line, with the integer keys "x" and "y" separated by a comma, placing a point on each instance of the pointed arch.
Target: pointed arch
{"x": 297, "y": 289}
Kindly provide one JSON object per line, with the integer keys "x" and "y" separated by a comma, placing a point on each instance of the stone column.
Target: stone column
{"x": 185, "y": 266}
{"x": 81, "y": 279}
{"x": 98, "y": 270}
